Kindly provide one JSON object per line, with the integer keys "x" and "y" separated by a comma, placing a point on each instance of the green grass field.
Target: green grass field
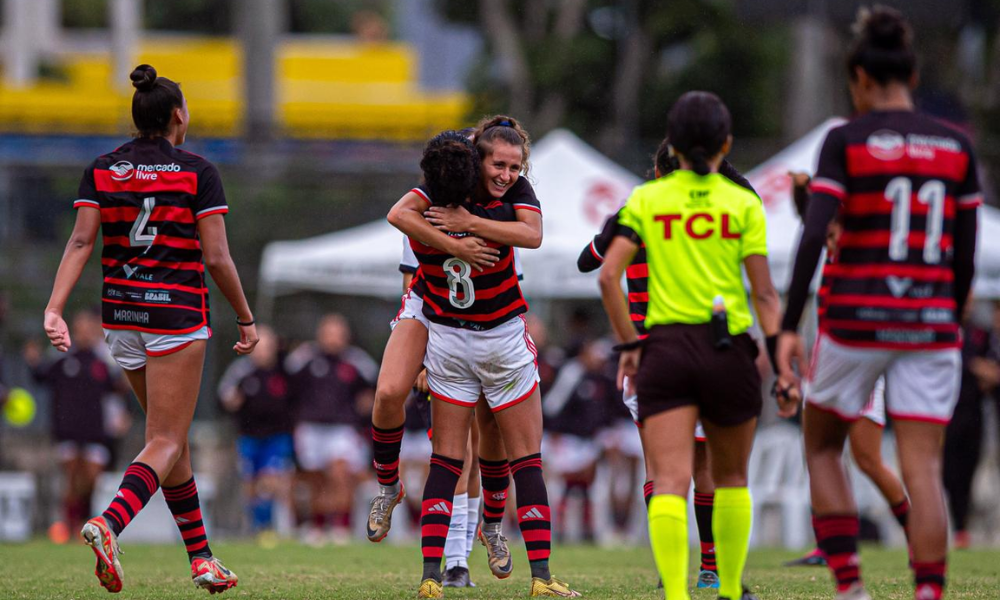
{"x": 39, "y": 571}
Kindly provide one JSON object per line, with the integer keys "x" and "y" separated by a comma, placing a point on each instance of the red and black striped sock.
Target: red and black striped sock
{"x": 533, "y": 514}
{"x": 385, "y": 454}
{"x": 837, "y": 538}
{"x": 647, "y": 492}
{"x": 435, "y": 514}
{"x": 137, "y": 487}
{"x": 495, "y": 477}
{"x": 184, "y": 505}
{"x": 929, "y": 578}
{"x": 902, "y": 513}
{"x": 703, "y": 515}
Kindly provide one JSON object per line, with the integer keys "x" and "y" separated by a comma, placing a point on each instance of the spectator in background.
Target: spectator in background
{"x": 622, "y": 449}
{"x": 964, "y": 435}
{"x": 330, "y": 396}
{"x": 550, "y": 357}
{"x": 82, "y": 382}
{"x": 575, "y": 411}
{"x": 256, "y": 390}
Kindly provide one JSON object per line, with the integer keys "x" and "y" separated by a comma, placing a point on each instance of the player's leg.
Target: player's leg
{"x": 340, "y": 480}
{"x": 456, "y": 569}
{"x": 963, "y": 442}
{"x": 474, "y": 492}
{"x": 704, "y": 498}
{"x": 494, "y": 471}
{"x": 866, "y": 448}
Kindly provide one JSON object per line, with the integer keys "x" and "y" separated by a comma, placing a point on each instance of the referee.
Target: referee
{"x": 699, "y": 228}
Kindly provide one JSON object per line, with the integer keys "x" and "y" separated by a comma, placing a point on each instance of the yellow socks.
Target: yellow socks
{"x": 732, "y": 517}
{"x": 668, "y": 534}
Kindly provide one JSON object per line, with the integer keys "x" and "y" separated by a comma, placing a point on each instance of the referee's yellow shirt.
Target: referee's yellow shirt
{"x": 697, "y": 231}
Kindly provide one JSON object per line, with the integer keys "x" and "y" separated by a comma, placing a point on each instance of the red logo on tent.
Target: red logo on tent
{"x": 602, "y": 199}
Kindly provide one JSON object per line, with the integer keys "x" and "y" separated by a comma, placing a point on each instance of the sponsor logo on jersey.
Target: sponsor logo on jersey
{"x": 135, "y": 316}
{"x": 149, "y": 172}
{"x": 886, "y": 144}
{"x": 440, "y": 507}
{"x": 122, "y": 170}
{"x": 157, "y": 297}
{"x": 898, "y": 285}
{"x": 113, "y": 293}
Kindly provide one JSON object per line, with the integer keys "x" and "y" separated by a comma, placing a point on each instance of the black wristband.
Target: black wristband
{"x": 242, "y": 324}
{"x": 771, "y": 342}
{"x": 627, "y": 346}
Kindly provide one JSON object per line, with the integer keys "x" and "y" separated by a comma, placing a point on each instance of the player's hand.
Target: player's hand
{"x": 790, "y": 359}
{"x": 56, "y": 330}
{"x": 799, "y": 180}
{"x": 248, "y": 339}
{"x": 421, "y": 382}
{"x": 628, "y": 366}
{"x": 474, "y": 251}
{"x": 450, "y": 218}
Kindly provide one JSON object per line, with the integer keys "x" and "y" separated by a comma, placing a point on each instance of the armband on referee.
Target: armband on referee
{"x": 771, "y": 342}
{"x": 628, "y": 346}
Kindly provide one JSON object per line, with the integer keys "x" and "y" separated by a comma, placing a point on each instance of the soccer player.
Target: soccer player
{"x": 699, "y": 229}
{"x": 81, "y": 381}
{"x": 257, "y": 391}
{"x": 591, "y": 258}
{"x": 329, "y": 395}
{"x": 160, "y": 210}
{"x": 478, "y": 343}
{"x": 906, "y": 189}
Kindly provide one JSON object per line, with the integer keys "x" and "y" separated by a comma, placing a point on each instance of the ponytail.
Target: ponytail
{"x": 699, "y": 160}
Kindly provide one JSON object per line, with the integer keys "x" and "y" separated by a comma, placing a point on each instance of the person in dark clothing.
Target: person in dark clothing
{"x": 255, "y": 389}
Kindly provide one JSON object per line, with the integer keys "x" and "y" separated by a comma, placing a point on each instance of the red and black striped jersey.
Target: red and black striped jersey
{"x": 457, "y": 295}
{"x": 151, "y": 196}
{"x": 900, "y": 178}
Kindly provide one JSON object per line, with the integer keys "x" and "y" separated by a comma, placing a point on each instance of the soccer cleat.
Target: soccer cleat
{"x": 380, "y": 511}
{"x": 708, "y": 579}
{"x": 497, "y": 551}
{"x": 553, "y": 588}
{"x": 855, "y": 592}
{"x": 104, "y": 543}
{"x": 812, "y": 559}
{"x": 209, "y": 574}
{"x": 747, "y": 595}
{"x": 430, "y": 588}
{"x": 457, "y": 577}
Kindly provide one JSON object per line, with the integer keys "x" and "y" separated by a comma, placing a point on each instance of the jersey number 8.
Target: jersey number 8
{"x": 140, "y": 236}
{"x": 899, "y": 192}
{"x": 458, "y": 272}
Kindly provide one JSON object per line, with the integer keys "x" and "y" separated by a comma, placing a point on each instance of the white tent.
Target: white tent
{"x": 578, "y": 188}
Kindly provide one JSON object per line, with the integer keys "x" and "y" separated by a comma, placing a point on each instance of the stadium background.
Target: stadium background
{"x": 316, "y": 110}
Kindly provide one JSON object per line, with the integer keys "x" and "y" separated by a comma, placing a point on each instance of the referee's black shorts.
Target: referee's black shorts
{"x": 680, "y": 366}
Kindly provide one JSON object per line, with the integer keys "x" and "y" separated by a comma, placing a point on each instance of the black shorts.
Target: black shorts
{"x": 681, "y": 367}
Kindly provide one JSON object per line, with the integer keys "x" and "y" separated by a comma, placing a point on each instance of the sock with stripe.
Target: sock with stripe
{"x": 454, "y": 545}
{"x": 533, "y": 514}
{"x": 732, "y": 518}
{"x": 837, "y": 538}
{"x": 929, "y": 578}
{"x": 436, "y": 511}
{"x": 137, "y": 487}
{"x": 647, "y": 493}
{"x": 703, "y": 516}
{"x": 472, "y": 524}
{"x": 184, "y": 505}
{"x": 902, "y": 513}
{"x": 495, "y": 478}
{"x": 668, "y": 536}
{"x": 385, "y": 454}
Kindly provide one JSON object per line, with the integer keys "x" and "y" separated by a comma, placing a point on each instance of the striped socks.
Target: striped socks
{"x": 385, "y": 454}
{"x": 647, "y": 492}
{"x": 837, "y": 538}
{"x": 703, "y": 516}
{"x": 436, "y": 509}
{"x": 186, "y": 508}
{"x": 495, "y": 478}
{"x": 533, "y": 514}
{"x": 137, "y": 487}
{"x": 929, "y": 577}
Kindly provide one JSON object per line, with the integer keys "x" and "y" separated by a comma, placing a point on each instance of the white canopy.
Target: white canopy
{"x": 578, "y": 188}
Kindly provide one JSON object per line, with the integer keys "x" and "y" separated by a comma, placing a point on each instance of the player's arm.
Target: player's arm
{"x": 215, "y": 249}
{"x": 407, "y": 216}
{"x": 618, "y": 258}
{"x": 75, "y": 256}
{"x": 524, "y": 232}
{"x": 964, "y": 236}
{"x": 592, "y": 255}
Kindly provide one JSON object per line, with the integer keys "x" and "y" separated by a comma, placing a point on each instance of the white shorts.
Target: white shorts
{"x": 569, "y": 453}
{"x": 921, "y": 385}
{"x": 411, "y": 307}
{"x": 130, "y": 348}
{"x": 632, "y": 403}
{"x": 499, "y": 362}
{"x": 97, "y": 454}
{"x": 874, "y": 411}
{"x": 416, "y": 446}
{"x": 622, "y": 436}
{"x": 318, "y": 445}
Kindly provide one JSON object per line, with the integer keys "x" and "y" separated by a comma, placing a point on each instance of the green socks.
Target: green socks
{"x": 668, "y": 535}
{"x": 731, "y": 521}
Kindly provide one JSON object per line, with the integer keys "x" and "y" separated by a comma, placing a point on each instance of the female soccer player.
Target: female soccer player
{"x": 698, "y": 361}
{"x": 478, "y": 343}
{"x": 160, "y": 210}
{"x": 906, "y": 189}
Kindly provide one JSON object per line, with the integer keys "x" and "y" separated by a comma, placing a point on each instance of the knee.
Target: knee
{"x": 672, "y": 483}
{"x": 869, "y": 465}
{"x": 167, "y": 446}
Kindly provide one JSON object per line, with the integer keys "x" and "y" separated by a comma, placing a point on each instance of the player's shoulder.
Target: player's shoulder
{"x": 113, "y": 157}
{"x": 194, "y": 162}
{"x": 736, "y": 191}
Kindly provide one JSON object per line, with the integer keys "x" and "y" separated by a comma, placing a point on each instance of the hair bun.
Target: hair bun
{"x": 886, "y": 28}
{"x": 143, "y": 78}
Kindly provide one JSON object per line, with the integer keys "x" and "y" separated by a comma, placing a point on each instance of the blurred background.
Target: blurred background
{"x": 315, "y": 112}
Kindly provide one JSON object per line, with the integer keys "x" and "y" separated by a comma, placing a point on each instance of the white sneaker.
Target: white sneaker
{"x": 855, "y": 592}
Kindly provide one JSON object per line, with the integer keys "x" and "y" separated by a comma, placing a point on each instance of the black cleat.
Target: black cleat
{"x": 457, "y": 577}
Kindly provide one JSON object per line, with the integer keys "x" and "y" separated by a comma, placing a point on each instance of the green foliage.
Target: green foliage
{"x": 92, "y": 14}
{"x": 213, "y": 17}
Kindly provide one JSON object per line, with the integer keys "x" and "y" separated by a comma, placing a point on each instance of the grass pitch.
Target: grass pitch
{"x": 42, "y": 571}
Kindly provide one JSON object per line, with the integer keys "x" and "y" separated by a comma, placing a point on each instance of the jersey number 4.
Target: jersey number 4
{"x": 899, "y": 192}
{"x": 458, "y": 272}
{"x": 141, "y": 235}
